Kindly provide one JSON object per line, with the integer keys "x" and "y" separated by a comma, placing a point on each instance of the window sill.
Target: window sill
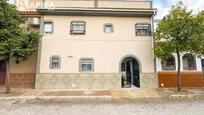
{"x": 86, "y": 71}
{"x": 77, "y": 33}
{"x": 46, "y": 34}
{"x": 144, "y": 35}
{"x": 55, "y": 68}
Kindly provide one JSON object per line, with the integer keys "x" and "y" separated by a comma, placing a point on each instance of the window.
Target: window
{"x": 48, "y": 27}
{"x": 143, "y": 30}
{"x": 169, "y": 64}
{"x": 108, "y": 28}
{"x": 189, "y": 62}
{"x": 55, "y": 62}
{"x": 202, "y": 61}
{"x": 33, "y": 21}
{"x": 86, "y": 65}
{"x": 78, "y": 27}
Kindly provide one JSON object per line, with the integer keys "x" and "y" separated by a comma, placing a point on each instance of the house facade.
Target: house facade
{"x": 106, "y": 45}
{"x": 192, "y": 70}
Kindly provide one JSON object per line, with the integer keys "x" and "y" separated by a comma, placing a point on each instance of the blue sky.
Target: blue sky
{"x": 164, "y": 6}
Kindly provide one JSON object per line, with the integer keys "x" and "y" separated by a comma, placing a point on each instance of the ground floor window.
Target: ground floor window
{"x": 169, "y": 63}
{"x": 55, "y": 62}
{"x": 86, "y": 65}
{"x": 189, "y": 62}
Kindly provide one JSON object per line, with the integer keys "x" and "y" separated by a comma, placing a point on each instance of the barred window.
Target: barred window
{"x": 86, "y": 65}
{"x": 78, "y": 27}
{"x": 189, "y": 62}
{"x": 55, "y": 62}
{"x": 169, "y": 63}
{"x": 143, "y": 30}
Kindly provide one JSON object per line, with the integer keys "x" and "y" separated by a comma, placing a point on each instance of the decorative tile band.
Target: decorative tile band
{"x": 78, "y": 81}
{"x": 89, "y": 81}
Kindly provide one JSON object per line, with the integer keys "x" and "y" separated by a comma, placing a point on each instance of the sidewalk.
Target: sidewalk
{"x": 128, "y": 94}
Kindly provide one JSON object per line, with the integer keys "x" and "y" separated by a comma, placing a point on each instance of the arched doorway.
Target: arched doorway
{"x": 130, "y": 69}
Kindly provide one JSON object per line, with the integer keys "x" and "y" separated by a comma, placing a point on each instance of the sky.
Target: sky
{"x": 163, "y": 6}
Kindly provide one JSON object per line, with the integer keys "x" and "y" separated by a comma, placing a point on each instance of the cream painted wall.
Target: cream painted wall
{"x": 28, "y": 66}
{"x": 102, "y": 4}
{"x": 106, "y": 49}
{"x": 31, "y": 5}
{"x": 124, "y": 28}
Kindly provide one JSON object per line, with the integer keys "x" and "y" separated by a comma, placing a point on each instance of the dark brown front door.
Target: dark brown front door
{"x": 2, "y": 72}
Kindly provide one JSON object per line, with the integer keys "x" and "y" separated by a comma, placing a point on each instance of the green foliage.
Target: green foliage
{"x": 180, "y": 31}
{"x": 16, "y": 39}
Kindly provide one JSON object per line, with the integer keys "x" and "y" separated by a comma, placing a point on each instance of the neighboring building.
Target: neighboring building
{"x": 192, "y": 70}
{"x": 23, "y": 74}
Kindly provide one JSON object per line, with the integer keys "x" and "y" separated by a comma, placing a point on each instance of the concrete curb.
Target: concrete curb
{"x": 182, "y": 96}
{"x": 58, "y": 98}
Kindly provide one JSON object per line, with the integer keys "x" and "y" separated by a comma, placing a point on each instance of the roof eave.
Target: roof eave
{"x": 99, "y": 12}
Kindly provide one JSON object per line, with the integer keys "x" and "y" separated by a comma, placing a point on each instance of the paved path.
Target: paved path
{"x": 159, "y": 107}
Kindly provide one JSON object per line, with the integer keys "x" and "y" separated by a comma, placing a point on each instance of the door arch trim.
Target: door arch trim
{"x": 133, "y": 56}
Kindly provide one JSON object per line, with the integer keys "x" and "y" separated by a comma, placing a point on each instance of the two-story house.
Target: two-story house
{"x": 90, "y": 44}
{"x": 96, "y": 45}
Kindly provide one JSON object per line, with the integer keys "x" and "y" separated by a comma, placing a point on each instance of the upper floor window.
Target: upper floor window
{"x": 169, "y": 63}
{"x": 48, "y": 27}
{"x": 108, "y": 28}
{"x": 143, "y": 30}
{"x": 55, "y": 62}
{"x": 78, "y": 27}
{"x": 86, "y": 65}
{"x": 34, "y": 21}
{"x": 189, "y": 62}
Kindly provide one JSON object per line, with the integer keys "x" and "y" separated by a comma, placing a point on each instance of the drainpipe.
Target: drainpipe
{"x": 95, "y": 3}
{"x": 40, "y": 44}
{"x": 43, "y": 3}
{"x": 153, "y": 41}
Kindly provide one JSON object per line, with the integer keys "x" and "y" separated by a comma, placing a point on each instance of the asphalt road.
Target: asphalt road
{"x": 137, "y": 107}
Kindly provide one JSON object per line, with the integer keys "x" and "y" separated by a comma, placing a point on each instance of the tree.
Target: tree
{"x": 16, "y": 40}
{"x": 180, "y": 31}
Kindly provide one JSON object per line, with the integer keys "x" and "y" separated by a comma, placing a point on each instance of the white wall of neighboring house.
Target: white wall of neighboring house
{"x": 198, "y": 63}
